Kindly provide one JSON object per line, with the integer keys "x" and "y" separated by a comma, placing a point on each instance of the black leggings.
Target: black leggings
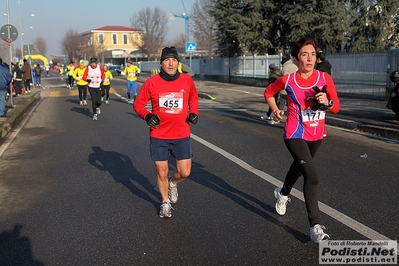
{"x": 95, "y": 94}
{"x": 105, "y": 91}
{"x": 82, "y": 92}
{"x": 70, "y": 80}
{"x": 303, "y": 152}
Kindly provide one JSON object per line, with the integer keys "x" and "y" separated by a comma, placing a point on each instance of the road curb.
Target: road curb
{"x": 15, "y": 114}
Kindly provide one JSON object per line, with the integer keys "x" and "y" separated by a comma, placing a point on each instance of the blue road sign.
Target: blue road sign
{"x": 191, "y": 47}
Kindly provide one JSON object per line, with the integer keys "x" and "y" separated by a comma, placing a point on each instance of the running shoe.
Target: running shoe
{"x": 272, "y": 122}
{"x": 95, "y": 117}
{"x": 166, "y": 210}
{"x": 106, "y": 102}
{"x": 84, "y": 102}
{"x": 172, "y": 193}
{"x": 81, "y": 103}
{"x": 281, "y": 201}
{"x": 98, "y": 111}
{"x": 317, "y": 234}
{"x": 265, "y": 117}
{"x": 128, "y": 101}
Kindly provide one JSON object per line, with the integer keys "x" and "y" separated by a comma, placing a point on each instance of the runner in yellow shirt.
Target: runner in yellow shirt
{"x": 131, "y": 72}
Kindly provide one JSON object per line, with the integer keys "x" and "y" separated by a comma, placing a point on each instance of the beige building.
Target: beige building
{"x": 111, "y": 44}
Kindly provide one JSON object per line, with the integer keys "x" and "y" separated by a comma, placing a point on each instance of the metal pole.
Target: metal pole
{"x": 20, "y": 31}
{"x": 9, "y": 51}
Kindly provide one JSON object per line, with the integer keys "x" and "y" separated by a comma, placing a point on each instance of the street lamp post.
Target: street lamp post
{"x": 20, "y": 29}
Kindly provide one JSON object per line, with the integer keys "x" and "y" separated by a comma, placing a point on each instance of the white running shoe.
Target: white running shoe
{"x": 317, "y": 234}
{"x": 95, "y": 117}
{"x": 166, "y": 210}
{"x": 98, "y": 111}
{"x": 265, "y": 117}
{"x": 84, "y": 102}
{"x": 81, "y": 103}
{"x": 281, "y": 201}
{"x": 172, "y": 193}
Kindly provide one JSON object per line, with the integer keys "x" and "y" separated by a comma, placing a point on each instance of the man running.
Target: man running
{"x": 174, "y": 101}
{"x": 131, "y": 72}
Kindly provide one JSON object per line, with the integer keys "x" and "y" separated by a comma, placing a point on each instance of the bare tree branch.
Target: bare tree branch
{"x": 40, "y": 46}
{"x": 154, "y": 24}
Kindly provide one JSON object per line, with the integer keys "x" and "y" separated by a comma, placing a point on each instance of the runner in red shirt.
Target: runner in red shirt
{"x": 174, "y": 101}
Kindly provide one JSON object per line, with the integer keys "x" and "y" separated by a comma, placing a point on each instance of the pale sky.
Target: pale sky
{"x": 54, "y": 17}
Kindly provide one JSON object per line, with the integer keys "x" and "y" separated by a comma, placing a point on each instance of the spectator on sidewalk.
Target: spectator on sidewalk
{"x": 5, "y": 82}
{"x": 322, "y": 63}
{"x": 27, "y": 75}
{"x": 38, "y": 72}
{"x": 17, "y": 78}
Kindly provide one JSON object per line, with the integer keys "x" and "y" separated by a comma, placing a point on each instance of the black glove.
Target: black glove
{"x": 101, "y": 83}
{"x": 88, "y": 80}
{"x": 318, "y": 105}
{"x": 193, "y": 118}
{"x": 152, "y": 120}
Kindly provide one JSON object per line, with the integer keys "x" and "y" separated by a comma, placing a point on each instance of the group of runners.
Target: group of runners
{"x": 174, "y": 101}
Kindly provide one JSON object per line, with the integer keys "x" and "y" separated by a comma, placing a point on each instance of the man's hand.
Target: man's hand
{"x": 152, "y": 120}
{"x": 193, "y": 118}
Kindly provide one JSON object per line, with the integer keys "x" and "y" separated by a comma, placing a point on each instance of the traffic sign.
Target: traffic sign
{"x": 191, "y": 47}
{"x": 8, "y": 33}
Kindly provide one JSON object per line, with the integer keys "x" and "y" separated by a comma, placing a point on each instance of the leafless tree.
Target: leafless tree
{"x": 40, "y": 46}
{"x": 154, "y": 24}
{"x": 70, "y": 44}
{"x": 203, "y": 25}
{"x": 179, "y": 41}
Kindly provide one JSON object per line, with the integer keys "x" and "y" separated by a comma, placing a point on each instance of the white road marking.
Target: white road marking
{"x": 344, "y": 219}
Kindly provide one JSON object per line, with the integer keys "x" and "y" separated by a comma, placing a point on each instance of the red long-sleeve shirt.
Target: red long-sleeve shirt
{"x": 172, "y": 101}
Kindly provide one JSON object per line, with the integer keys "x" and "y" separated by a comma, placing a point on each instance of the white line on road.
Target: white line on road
{"x": 344, "y": 219}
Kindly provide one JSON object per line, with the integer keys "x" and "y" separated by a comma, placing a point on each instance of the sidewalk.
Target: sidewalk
{"x": 22, "y": 104}
{"x": 363, "y": 115}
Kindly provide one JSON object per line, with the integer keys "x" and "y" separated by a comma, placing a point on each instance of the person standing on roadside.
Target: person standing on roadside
{"x": 310, "y": 93}
{"x": 17, "y": 77}
{"x": 131, "y": 72}
{"x": 322, "y": 64}
{"x": 94, "y": 75}
{"x": 27, "y": 75}
{"x": 106, "y": 85}
{"x": 288, "y": 67}
{"x": 38, "y": 73}
{"x": 5, "y": 81}
{"x": 174, "y": 101}
{"x": 82, "y": 85}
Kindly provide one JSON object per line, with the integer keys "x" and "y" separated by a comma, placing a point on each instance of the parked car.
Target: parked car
{"x": 115, "y": 70}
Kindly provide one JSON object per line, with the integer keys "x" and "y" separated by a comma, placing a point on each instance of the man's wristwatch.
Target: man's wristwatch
{"x": 330, "y": 103}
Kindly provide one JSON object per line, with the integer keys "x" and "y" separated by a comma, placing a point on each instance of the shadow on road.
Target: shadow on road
{"x": 123, "y": 171}
{"x": 249, "y": 202}
{"x": 16, "y": 249}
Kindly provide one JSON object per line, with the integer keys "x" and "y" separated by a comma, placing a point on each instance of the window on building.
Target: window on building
{"x": 114, "y": 38}
{"x": 101, "y": 38}
{"x": 125, "y": 38}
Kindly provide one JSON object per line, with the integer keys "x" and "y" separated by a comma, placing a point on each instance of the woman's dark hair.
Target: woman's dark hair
{"x": 301, "y": 43}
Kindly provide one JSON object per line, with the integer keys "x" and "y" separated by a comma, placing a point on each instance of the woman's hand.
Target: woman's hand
{"x": 321, "y": 97}
{"x": 278, "y": 115}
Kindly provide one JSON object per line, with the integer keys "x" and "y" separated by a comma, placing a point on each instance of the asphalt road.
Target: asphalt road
{"x": 79, "y": 192}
